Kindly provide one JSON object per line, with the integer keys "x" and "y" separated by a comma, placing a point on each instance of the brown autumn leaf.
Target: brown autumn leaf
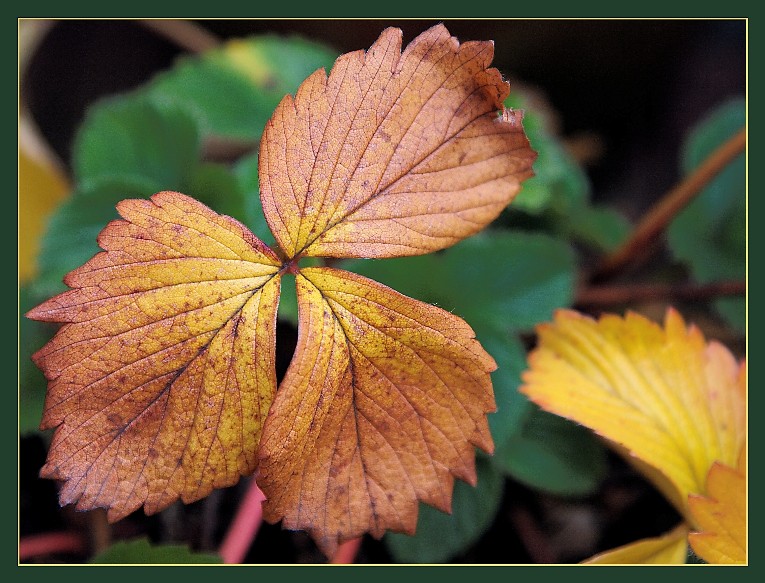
{"x": 381, "y": 406}
{"x": 163, "y": 373}
{"x": 161, "y": 377}
{"x": 394, "y": 153}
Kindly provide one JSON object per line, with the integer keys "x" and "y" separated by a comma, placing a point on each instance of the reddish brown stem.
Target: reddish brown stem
{"x": 606, "y": 295}
{"x": 346, "y": 552}
{"x": 52, "y": 543}
{"x": 662, "y": 213}
{"x": 244, "y": 527}
{"x": 184, "y": 33}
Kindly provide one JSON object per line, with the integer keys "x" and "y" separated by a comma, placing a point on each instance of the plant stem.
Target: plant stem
{"x": 606, "y": 295}
{"x": 51, "y": 543}
{"x": 184, "y": 33}
{"x": 346, "y": 552}
{"x": 662, "y": 213}
{"x": 244, "y": 527}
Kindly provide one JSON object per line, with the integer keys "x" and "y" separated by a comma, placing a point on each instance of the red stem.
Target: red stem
{"x": 346, "y": 552}
{"x": 52, "y": 543}
{"x": 244, "y": 527}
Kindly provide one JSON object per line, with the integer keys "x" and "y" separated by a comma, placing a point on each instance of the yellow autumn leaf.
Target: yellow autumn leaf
{"x": 721, "y": 516}
{"x": 672, "y": 403}
{"x": 668, "y": 549}
{"x": 41, "y": 187}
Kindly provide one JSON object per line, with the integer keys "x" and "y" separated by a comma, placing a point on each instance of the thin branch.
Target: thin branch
{"x": 662, "y": 213}
{"x": 52, "y": 543}
{"x": 606, "y": 295}
{"x": 244, "y": 527}
{"x": 184, "y": 33}
{"x": 346, "y": 552}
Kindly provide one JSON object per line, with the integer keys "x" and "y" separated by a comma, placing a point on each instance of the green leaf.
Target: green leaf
{"x": 233, "y": 90}
{"x": 601, "y": 228}
{"x": 32, "y": 384}
{"x": 440, "y": 536}
{"x": 559, "y": 183}
{"x": 70, "y": 239}
{"x": 133, "y": 136}
{"x": 246, "y": 171}
{"x": 512, "y": 406}
{"x": 710, "y": 234}
{"x": 555, "y": 455}
{"x": 496, "y": 279}
{"x": 217, "y": 187}
{"x": 141, "y": 551}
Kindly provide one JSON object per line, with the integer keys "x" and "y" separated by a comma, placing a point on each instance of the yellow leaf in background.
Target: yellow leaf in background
{"x": 669, "y": 549}
{"x": 672, "y": 403}
{"x": 41, "y": 187}
{"x": 721, "y": 517}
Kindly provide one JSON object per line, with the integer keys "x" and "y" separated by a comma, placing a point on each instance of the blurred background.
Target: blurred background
{"x": 621, "y": 95}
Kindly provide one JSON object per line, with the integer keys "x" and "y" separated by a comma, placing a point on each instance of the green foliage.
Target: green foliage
{"x": 141, "y": 551}
{"x": 136, "y": 137}
{"x": 710, "y": 234}
{"x": 559, "y": 193}
{"x": 553, "y": 454}
{"x": 441, "y": 536}
{"x": 232, "y": 91}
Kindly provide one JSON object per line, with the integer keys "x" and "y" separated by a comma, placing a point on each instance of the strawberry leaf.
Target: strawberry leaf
{"x": 141, "y": 551}
{"x": 380, "y": 407}
{"x": 233, "y": 90}
{"x": 164, "y": 370}
{"x": 672, "y": 403}
{"x": 136, "y": 137}
{"x": 720, "y": 515}
{"x": 393, "y": 154}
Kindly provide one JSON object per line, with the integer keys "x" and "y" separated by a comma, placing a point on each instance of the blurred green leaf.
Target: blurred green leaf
{"x": 601, "y": 228}
{"x": 559, "y": 193}
{"x": 141, "y": 551}
{"x": 512, "y": 407}
{"x": 246, "y": 171}
{"x": 559, "y": 182}
{"x": 233, "y": 90}
{"x": 216, "y": 186}
{"x": 553, "y": 454}
{"x": 132, "y": 136}
{"x": 710, "y": 233}
{"x": 32, "y": 384}
{"x": 70, "y": 239}
{"x": 496, "y": 279}
{"x": 440, "y": 536}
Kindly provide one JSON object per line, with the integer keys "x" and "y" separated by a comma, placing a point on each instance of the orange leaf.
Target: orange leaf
{"x": 721, "y": 517}
{"x": 379, "y": 408}
{"x": 668, "y": 549}
{"x": 668, "y": 400}
{"x": 164, "y": 371}
{"x": 394, "y": 154}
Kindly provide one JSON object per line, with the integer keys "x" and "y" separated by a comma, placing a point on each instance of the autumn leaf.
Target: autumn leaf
{"x": 669, "y": 549}
{"x": 670, "y": 402}
{"x": 394, "y": 153}
{"x": 674, "y": 403}
{"x": 162, "y": 379}
{"x": 720, "y": 515}
{"x": 382, "y": 404}
{"x": 164, "y": 370}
